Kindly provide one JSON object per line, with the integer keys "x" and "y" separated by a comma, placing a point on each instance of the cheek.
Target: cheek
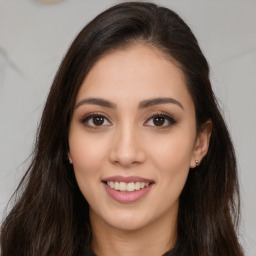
{"x": 88, "y": 155}
{"x": 172, "y": 164}
{"x": 173, "y": 152}
{"x": 87, "y": 152}
{"x": 172, "y": 157}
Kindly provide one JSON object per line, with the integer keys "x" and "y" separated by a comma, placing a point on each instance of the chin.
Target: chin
{"x": 128, "y": 225}
{"x": 128, "y": 220}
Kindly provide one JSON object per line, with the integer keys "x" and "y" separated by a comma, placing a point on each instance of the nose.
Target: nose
{"x": 127, "y": 147}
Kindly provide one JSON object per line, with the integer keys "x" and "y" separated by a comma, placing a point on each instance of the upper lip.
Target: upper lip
{"x": 127, "y": 179}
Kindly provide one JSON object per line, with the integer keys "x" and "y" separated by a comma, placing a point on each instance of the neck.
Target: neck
{"x": 155, "y": 239}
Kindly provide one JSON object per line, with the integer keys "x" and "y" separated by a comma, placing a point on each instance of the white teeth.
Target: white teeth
{"x": 111, "y": 184}
{"x": 130, "y": 186}
{"x": 137, "y": 185}
{"x": 122, "y": 186}
{"x": 116, "y": 185}
{"x": 127, "y": 187}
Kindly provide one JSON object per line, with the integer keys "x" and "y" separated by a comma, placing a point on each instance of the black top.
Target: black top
{"x": 178, "y": 250}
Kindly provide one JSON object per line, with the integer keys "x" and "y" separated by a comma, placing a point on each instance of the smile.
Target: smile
{"x": 127, "y": 187}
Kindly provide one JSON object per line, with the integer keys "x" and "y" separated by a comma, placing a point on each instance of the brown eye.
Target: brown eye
{"x": 158, "y": 120}
{"x": 98, "y": 120}
{"x": 95, "y": 121}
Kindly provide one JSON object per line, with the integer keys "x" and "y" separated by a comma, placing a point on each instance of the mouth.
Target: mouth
{"x": 127, "y": 189}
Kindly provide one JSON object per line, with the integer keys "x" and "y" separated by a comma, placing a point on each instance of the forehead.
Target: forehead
{"x": 136, "y": 72}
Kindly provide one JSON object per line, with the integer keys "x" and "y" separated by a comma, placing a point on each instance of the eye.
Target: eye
{"x": 160, "y": 120}
{"x": 95, "y": 121}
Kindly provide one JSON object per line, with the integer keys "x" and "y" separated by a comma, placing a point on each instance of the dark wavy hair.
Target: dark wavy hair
{"x": 51, "y": 217}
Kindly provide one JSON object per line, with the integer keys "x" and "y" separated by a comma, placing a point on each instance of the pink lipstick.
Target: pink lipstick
{"x": 127, "y": 189}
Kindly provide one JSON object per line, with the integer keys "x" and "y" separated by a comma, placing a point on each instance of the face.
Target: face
{"x": 133, "y": 138}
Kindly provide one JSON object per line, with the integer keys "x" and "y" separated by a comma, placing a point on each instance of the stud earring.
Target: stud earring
{"x": 69, "y": 160}
{"x": 197, "y": 163}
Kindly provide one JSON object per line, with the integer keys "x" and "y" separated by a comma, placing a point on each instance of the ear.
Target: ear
{"x": 201, "y": 144}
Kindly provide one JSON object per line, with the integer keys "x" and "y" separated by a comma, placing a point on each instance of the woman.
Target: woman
{"x": 132, "y": 155}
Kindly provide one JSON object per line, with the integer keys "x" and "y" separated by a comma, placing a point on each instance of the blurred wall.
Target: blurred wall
{"x": 34, "y": 37}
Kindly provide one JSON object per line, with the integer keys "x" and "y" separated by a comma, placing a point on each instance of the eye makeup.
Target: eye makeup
{"x": 95, "y": 120}
{"x": 158, "y": 120}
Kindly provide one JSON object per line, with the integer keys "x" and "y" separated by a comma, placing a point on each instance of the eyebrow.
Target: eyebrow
{"x": 142, "y": 104}
{"x": 158, "y": 101}
{"x": 96, "y": 101}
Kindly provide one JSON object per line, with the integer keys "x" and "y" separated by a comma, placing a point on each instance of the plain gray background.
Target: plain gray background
{"x": 34, "y": 37}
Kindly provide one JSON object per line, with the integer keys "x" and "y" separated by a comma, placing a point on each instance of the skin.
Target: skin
{"x": 129, "y": 143}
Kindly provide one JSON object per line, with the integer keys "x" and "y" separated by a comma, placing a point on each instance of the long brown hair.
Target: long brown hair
{"x": 51, "y": 215}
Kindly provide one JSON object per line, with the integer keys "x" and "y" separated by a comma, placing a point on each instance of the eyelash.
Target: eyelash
{"x": 90, "y": 116}
{"x": 164, "y": 115}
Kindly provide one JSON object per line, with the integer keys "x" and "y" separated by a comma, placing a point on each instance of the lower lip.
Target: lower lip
{"x": 127, "y": 197}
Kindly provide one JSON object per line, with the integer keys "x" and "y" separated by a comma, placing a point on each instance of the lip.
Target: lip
{"x": 127, "y": 197}
{"x": 128, "y": 179}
